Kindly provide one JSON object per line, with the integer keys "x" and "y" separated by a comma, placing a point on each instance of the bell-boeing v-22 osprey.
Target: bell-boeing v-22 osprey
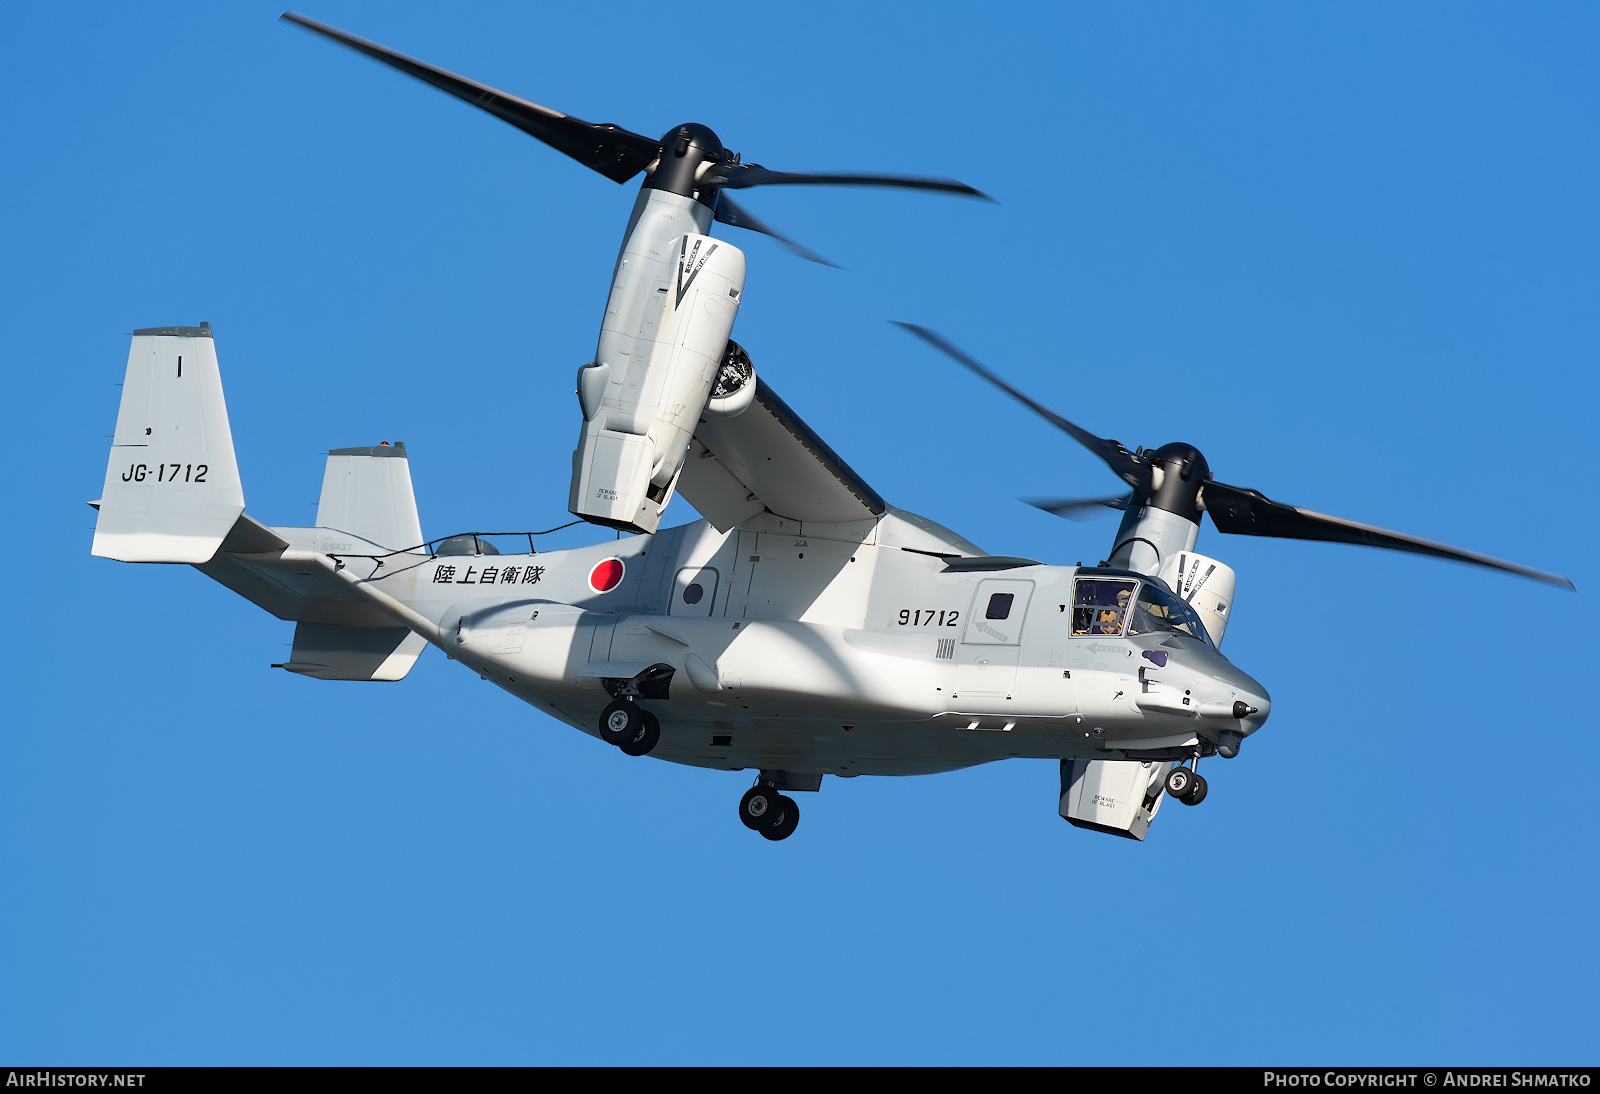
{"x": 804, "y": 627}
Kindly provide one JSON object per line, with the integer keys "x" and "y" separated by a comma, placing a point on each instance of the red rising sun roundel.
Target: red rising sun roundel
{"x": 606, "y": 575}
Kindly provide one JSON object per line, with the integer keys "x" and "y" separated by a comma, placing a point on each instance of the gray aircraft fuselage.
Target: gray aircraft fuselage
{"x": 817, "y": 650}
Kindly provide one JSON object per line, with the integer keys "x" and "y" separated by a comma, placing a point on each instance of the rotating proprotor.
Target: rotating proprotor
{"x": 1172, "y": 485}
{"x": 675, "y": 291}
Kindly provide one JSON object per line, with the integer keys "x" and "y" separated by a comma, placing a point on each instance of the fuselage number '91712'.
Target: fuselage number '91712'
{"x": 927, "y": 617}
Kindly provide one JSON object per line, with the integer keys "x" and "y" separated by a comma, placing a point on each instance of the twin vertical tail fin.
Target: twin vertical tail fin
{"x": 366, "y": 492}
{"x": 367, "y": 507}
{"x": 172, "y": 494}
{"x": 172, "y": 488}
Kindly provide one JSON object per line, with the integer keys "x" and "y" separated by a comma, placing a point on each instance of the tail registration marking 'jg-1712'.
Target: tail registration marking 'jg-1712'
{"x": 192, "y": 472}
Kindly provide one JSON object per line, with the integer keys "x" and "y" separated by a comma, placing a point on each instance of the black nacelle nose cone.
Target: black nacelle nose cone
{"x": 683, "y": 149}
{"x": 680, "y": 139}
{"x": 1183, "y": 458}
{"x": 1184, "y": 471}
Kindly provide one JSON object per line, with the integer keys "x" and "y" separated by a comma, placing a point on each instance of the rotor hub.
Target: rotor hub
{"x": 684, "y": 149}
{"x": 1183, "y": 472}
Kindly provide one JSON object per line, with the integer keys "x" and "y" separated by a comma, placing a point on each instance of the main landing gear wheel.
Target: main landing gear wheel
{"x": 621, "y": 721}
{"x": 643, "y": 741}
{"x": 788, "y": 819}
{"x": 1180, "y": 780}
{"x": 760, "y": 808}
{"x": 1197, "y": 790}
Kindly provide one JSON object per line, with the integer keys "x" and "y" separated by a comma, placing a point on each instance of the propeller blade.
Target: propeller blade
{"x": 735, "y": 215}
{"x": 1080, "y": 508}
{"x": 611, "y": 150}
{"x": 737, "y": 176}
{"x": 1244, "y": 512}
{"x": 1130, "y": 468}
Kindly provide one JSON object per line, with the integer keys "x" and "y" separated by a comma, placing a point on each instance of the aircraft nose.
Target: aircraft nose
{"x": 1233, "y": 703}
{"x": 1248, "y": 706}
{"x": 1252, "y": 706}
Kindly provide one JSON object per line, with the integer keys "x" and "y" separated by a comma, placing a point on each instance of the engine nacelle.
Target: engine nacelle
{"x": 1118, "y": 797}
{"x": 661, "y": 348}
{"x": 1206, "y": 585}
{"x": 735, "y": 386}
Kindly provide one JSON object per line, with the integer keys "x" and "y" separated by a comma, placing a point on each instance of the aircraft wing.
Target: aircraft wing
{"x": 767, "y": 458}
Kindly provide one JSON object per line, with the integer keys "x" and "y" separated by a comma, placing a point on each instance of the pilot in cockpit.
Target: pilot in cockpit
{"x": 1100, "y": 607}
{"x": 1109, "y": 620}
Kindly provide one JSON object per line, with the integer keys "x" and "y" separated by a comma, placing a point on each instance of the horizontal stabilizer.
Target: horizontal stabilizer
{"x": 260, "y": 565}
{"x": 329, "y": 652}
{"x": 172, "y": 489}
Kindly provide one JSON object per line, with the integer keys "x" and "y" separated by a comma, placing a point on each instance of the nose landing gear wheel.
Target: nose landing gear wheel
{"x": 760, "y": 808}
{"x": 1196, "y": 792}
{"x": 788, "y": 819}
{"x": 1180, "y": 780}
{"x": 644, "y": 740}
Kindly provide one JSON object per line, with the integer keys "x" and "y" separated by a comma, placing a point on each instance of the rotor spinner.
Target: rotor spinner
{"x": 687, "y": 152}
{"x": 1176, "y": 488}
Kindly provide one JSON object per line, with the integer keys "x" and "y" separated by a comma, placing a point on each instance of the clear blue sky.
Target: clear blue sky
{"x": 1350, "y": 251}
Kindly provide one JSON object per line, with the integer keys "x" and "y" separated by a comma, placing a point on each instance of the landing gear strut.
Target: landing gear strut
{"x": 630, "y": 728}
{"x": 1186, "y": 784}
{"x": 764, "y": 810}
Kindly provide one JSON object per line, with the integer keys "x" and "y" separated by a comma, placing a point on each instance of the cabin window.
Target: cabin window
{"x": 1157, "y": 610}
{"x": 1099, "y": 606}
{"x": 999, "y": 606}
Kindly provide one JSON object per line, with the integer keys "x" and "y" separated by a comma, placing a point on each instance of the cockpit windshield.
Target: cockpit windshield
{"x": 1098, "y": 606}
{"x": 1157, "y": 610}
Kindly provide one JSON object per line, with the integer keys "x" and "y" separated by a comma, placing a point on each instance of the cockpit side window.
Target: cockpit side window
{"x": 1157, "y": 610}
{"x": 1098, "y": 606}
